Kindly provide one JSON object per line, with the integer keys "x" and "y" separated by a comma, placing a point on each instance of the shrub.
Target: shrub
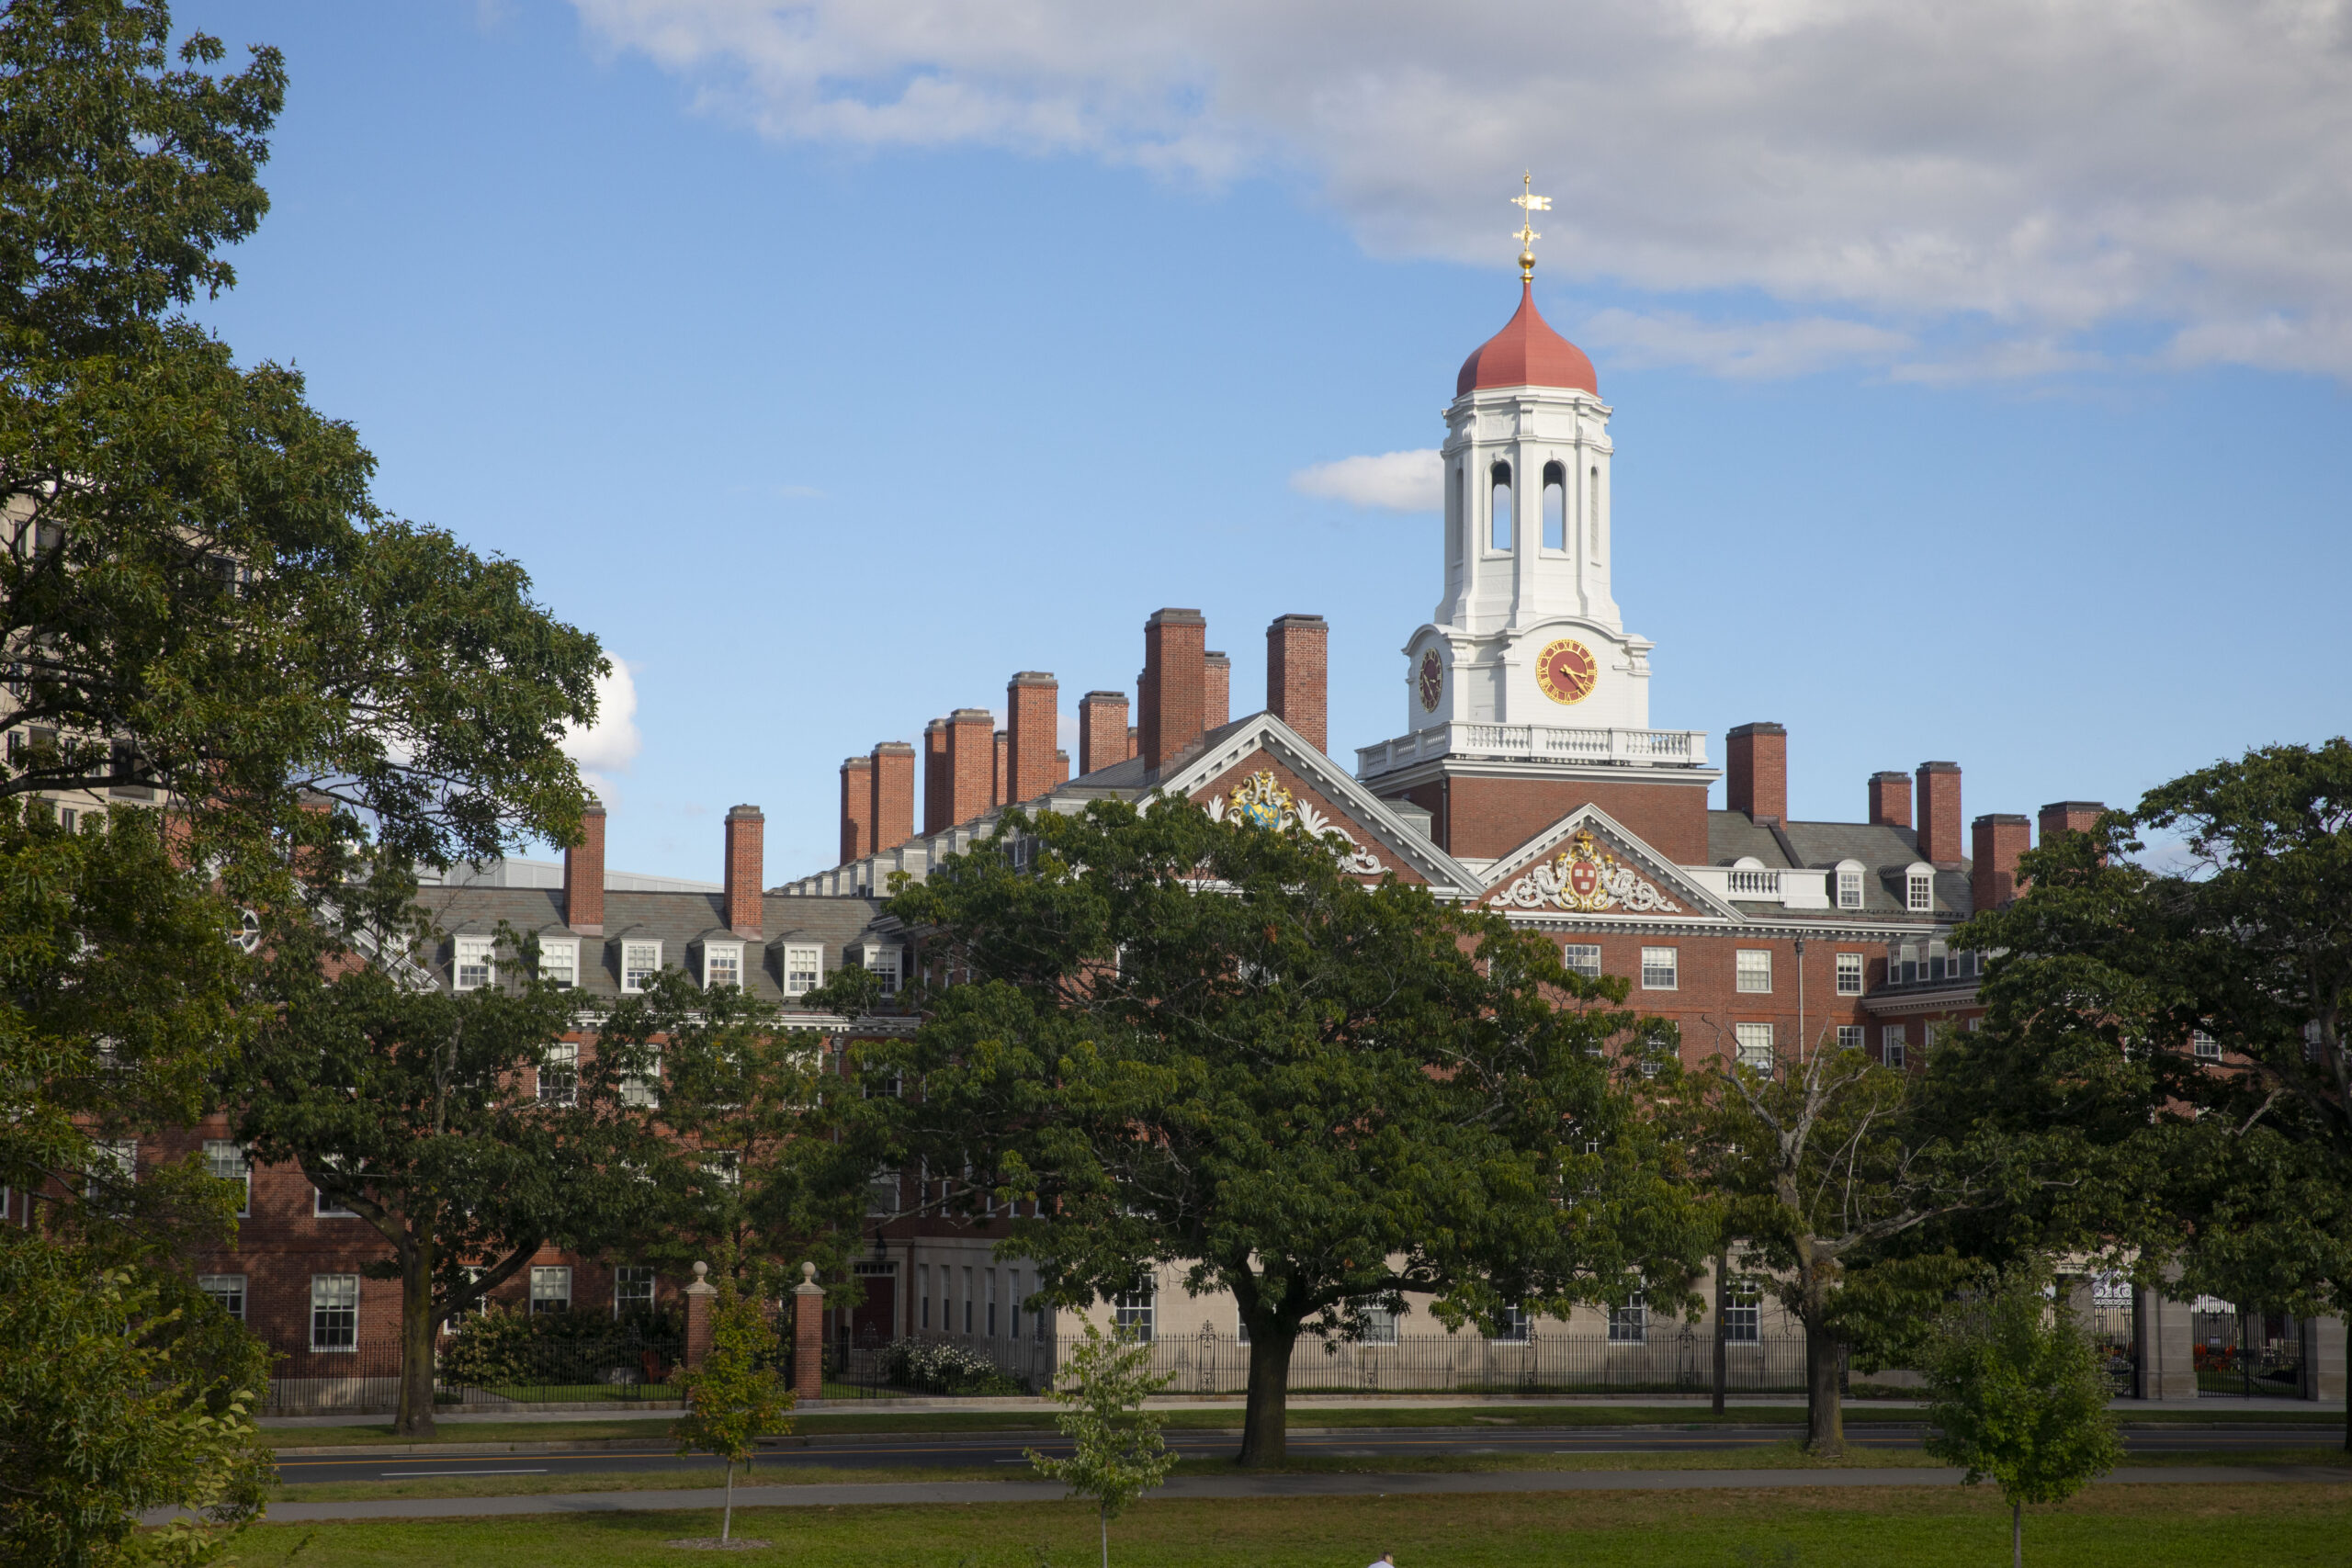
{"x": 506, "y": 1346}
{"x": 936, "y": 1367}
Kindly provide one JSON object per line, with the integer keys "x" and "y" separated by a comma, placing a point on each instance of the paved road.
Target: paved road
{"x": 913, "y": 1451}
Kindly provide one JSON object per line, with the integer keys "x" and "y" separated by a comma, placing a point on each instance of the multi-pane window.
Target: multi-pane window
{"x": 2206, "y": 1047}
{"x": 550, "y": 1291}
{"x": 1755, "y": 1042}
{"x": 1742, "y": 1316}
{"x": 967, "y": 1301}
{"x": 1379, "y": 1326}
{"x": 1919, "y": 892}
{"x": 559, "y": 963}
{"x": 643, "y": 1090}
{"x": 1754, "y": 971}
{"x": 326, "y": 1208}
{"x": 1661, "y": 968}
{"x": 226, "y": 1160}
{"x": 726, "y": 1167}
{"x": 1850, "y": 887}
{"x": 1511, "y": 1326}
{"x": 923, "y": 1284}
{"x": 640, "y": 961}
{"x": 882, "y": 1191}
{"x": 1582, "y": 958}
{"x": 114, "y": 1163}
{"x": 334, "y": 1312}
{"x": 560, "y": 1073}
{"x": 1134, "y": 1311}
{"x": 1849, "y": 1037}
{"x": 723, "y": 965}
{"x": 632, "y": 1290}
{"x": 989, "y": 1279}
{"x": 227, "y": 1291}
{"x": 882, "y": 963}
{"x": 1849, "y": 973}
{"x": 2314, "y": 1042}
{"x": 476, "y": 963}
{"x": 804, "y": 970}
{"x": 1890, "y": 1043}
{"x": 1630, "y": 1323}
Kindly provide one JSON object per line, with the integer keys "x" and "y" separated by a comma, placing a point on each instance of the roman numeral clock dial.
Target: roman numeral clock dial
{"x": 1567, "y": 671}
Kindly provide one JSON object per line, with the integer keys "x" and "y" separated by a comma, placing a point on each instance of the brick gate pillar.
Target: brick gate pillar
{"x": 807, "y": 1335}
{"x": 698, "y": 1296}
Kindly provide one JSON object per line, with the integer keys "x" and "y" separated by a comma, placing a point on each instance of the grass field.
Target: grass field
{"x": 2264, "y": 1526}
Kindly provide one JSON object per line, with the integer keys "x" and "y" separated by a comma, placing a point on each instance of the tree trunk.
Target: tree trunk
{"x": 1265, "y": 1424}
{"x": 415, "y": 1418}
{"x": 2016, "y": 1535}
{"x": 1723, "y": 1299}
{"x": 1104, "y": 1511}
{"x": 726, "y": 1518}
{"x": 1825, "y": 1418}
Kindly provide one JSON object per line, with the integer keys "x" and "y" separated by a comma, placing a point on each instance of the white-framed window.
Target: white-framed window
{"x": 922, "y": 1284}
{"x": 1742, "y": 1316}
{"x": 1849, "y": 1037}
{"x": 1754, "y": 970}
{"x": 1891, "y": 1043}
{"x": 1511, "y": 1326}
{"x": 1976, "y": 1024}
{"x": 990, "y": 1286}
{"x": 722, "y": 963}
{"x": 334, "y": 1312}
{"x": 1661, "y": 968}
{"x": 726, "y": 1167}
{"x": 967, "y": 1299}
{"x": 882, "y": 963}
{"x": 1630, "y": 1323}
{"x": 550, "y": 1289}
{"x": 1849, "y": 973}
{"x": 225, "y": 1159}
{"x": 640, "y": 961}
{"x": 476, "y": 964}
{"x": 804, "y": 969}
{"x": 1582, "y": 958}
{"x": 1919, "y": 889}
{"x": 2314, "y": 1042}
{"x": 114, "y": 1163}
{"x": 1133, "y": 1310}
{"x": 1755, "y": 1042}
{"x": 1849, "y": 885}
{"x": 560, "y": 1073}
{"x": 641, "y": 1090}
{"x": 1379, "y": 1326}
{"x": 632, "y": 1288}
{"x": 559, "y": 961}
{"x": 2204, "y": 1046}
{"x": 882, "y": 1191}
{"x": 227, "y": 1291}
{"x": 325, "y": 1207}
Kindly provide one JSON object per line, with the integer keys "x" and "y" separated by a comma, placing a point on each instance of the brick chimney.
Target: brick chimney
{"x": 1993, "y": 879}
{"x": 971, "y": 763}
{"x": 1890, "y": 800}
{"x": 893, "y": 816}
{"x": 583, "y": 874}
{"x": 1135, "y": 741}
{"x": 938, "y": 784}
{"x": 857, "y": 808}
{"x": 1756, "y": 779}
{"x": 1175, "y": 653}
{"x": 1061, "y": 767}
{"x": 1032, "y": 699}
{"x": 1101, "y": 730}
{"x": 1297, "y": 662}
{"x": 2069, "y": 817}
{"x": 1939, "y": 813}
{"x": 747, "y": 868}
{"x": 1217, "y": 691}
{"x": 1003, "y": 780}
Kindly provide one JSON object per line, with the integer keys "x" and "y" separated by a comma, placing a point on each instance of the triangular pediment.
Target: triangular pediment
{"x": 1588, "y": 863}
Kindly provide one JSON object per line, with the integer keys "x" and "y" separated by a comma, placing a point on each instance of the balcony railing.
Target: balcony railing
{"x": 1538, "y": 743}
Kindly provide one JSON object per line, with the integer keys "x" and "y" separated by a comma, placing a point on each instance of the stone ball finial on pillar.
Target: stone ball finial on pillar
{"x": 698, "y": 1298}
{"x": 807, "y": 1335}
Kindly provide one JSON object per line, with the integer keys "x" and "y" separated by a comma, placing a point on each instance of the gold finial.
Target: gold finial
{"x": 1529, "y": 205}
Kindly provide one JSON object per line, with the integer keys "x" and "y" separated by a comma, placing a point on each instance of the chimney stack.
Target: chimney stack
{"x": 1297, "y": 664}
{"x": 1993, "y": 879}
{"x": 1939, "y": 813}
{"x": 1033, "y": 698}
{"x": 1890, "y": 800}
{"x": 971, "y": 763}
{"x": 1757, "y": 779}
{"x": 1135, "y": 743}
{"x": 893, "y": 817}
{"x": 857, "y": 808}
{"x": 1217, "y": 691}
{"x": 747, "y": 867}
{"x": 1001, "y": 783}
{"x": 938, "y": 783}
{"x": 1061, "y": 768}
{"x": 2069, "y": 817}
{"x": 1175, "y": 653}
{"x": 1101, "y": 730}
{"x": 583, "y": 874}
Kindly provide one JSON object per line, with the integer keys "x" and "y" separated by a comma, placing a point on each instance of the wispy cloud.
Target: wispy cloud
{"x": 1751, "y": 350}
{"x": 1392, "y": 481}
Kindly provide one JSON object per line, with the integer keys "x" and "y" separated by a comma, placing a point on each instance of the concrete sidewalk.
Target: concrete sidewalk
{"x": 857, "y": 1495}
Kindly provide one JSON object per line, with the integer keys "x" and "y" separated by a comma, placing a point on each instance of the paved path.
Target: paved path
{"x": 843, "y": 1496}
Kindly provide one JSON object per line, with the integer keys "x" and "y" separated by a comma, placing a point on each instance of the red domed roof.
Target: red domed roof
{"x": 1527, "y": 353}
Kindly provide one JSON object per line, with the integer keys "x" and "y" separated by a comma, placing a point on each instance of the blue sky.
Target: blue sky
{"x": 825, "y": 429}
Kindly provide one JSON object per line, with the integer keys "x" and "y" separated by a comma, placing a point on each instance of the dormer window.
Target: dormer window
{"x": 882, "y": 963}
{"x": 1849, "y": 885}
{"x": 475, "y": 965}
{"x": 559, "y": 961}
{"x": 1919, "y": 889}
{"x": 804, "y": 969}
{"x": 640, "y": 961}
{"x": 722, "y": 963}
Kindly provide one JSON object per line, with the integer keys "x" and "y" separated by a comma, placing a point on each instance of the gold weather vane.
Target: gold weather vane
{"x": 1529, "y": 205}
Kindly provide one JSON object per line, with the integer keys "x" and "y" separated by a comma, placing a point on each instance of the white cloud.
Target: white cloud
{"x": 2039, "y": 167}
{"x": 1742, "y": 349}
{"x": 612, "y": 743}
{"x": 1393, "y": 482}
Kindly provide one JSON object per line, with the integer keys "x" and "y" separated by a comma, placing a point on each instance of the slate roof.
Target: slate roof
{"x": 677, "y": 921}
{"x": 1886, "y": 851}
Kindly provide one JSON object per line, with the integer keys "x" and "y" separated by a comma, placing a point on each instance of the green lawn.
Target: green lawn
{"x": 2259, "y": 1526}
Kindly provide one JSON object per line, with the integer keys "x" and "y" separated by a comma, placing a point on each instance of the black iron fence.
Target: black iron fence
{"x": 623, "y": 1367}
{"x": 2247, "y": 1353}
{"x": 1663, "y": 1361}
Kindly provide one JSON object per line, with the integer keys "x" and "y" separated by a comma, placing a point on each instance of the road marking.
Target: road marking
{"x": 404, "y": 1474}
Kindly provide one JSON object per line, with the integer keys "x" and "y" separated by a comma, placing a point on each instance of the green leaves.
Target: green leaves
{"x": 2020, "y": 1393}
{"x": 1118, "y": 1454}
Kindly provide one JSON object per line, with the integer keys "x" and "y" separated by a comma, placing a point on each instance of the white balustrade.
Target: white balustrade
{"x": 1537, "y": 742}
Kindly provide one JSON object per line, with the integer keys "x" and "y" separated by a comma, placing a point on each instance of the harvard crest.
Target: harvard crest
{"x": 1586, "y": 878}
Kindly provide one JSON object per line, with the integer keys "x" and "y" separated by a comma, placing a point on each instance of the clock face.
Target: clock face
{"x": 1568, "y": 671}
{"x": 1432, "y": 680}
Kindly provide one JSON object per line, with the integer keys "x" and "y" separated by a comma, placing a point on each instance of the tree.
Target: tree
{"x": 1117, "y": 1455}
{"x": 737, "y": 1395}
{"x": 1175, "y": 1040}
{"x": 2019, "y": 1394}
{"x": 2182, "y": 1032}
